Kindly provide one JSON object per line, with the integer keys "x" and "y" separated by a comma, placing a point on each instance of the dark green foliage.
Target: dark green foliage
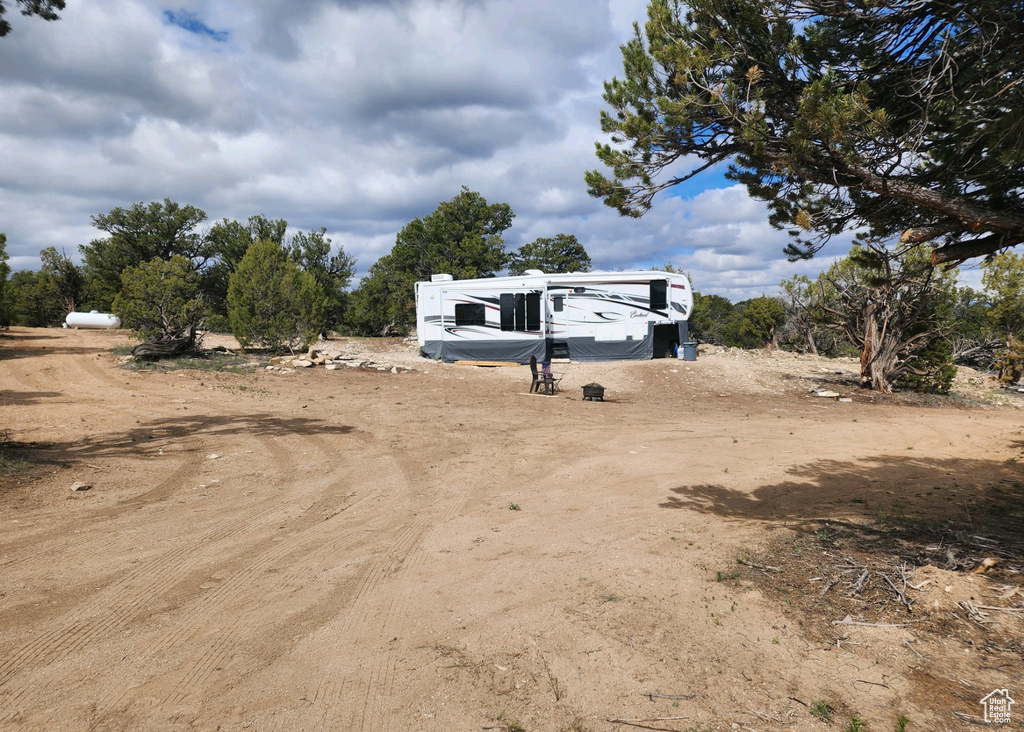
{"x": 713, "y": 321}
{"x": 1009, "y": 361}
{"x": 161, "y": 299}
{"x": 228, "y": 241}
{"x": 272, "y": 303}
{"x": 45, "y": 9}
{"x": 931, "y": 369}
{"x": 163, "y": 230}
{"x": 895, "y": 306}
{"x": 891, "y": 116}
{"x": 30, "y": 301}
{"x": 139, "y": 234}
{"x": 462, "y": 237}
{"x": 759, "y": 318}
{"x": 40, "y": 299}
{"x": 5, "y": 270}
{"x": 1003, "y": 279}
{"x": 563, "y": 253}
{"x": 333, "y": 272}
{"x": 226, "y": 244}
{"x": 63, "y": 279}
{"x": 972, "y": 336}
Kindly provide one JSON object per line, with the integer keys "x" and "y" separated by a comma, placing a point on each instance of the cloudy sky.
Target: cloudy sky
{"x": 355, "y": 115}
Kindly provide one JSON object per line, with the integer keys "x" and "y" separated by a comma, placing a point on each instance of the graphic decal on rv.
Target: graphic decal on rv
{"x": 502, "y": 318}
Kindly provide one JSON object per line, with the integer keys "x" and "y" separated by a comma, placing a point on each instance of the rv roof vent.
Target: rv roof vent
{"x": 533, "y": 272}
{"x": 441, "y": 278}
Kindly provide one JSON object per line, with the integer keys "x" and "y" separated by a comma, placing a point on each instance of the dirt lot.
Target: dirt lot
{"x": 437, "y": 550}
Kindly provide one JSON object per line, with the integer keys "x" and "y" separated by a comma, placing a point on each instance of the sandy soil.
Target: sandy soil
{"x": 438, "y": 550}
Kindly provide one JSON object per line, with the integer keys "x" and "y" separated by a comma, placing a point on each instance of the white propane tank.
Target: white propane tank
{"x": 94, "y": 319}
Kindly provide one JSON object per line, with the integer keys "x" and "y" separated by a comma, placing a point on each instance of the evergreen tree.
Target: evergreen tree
{"x": 161, "y": 299}
{"x": 462, "y": 237}
{"x": 562, "y": 253}
{"x": 5, "y": 271}
{"x": 897, "y": 308}
{"x": 1003, "y": 279}
{"x": 227, "y": 242}
{"x": 31, "y": 301}
{"x": 713, "y": 320}
{"x": 333, "y": 272}
{"x": 894, "y": 116}
{"x": 759, "y": 319}
{"x": 272, "y": 303}
{"x": 139, "y": 234}
{"x": 63, "y": 278}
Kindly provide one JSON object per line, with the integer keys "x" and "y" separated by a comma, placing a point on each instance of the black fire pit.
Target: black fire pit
{"x": 594, "y": 392}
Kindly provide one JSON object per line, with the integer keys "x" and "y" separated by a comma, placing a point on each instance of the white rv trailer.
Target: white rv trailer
{"x": 587, "y": 316}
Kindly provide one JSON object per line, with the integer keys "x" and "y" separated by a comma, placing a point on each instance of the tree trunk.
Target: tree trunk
{"x": 810, "y": 342}
{"x": 875, "y": 358}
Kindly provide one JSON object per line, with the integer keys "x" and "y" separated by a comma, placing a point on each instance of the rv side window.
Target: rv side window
{"x": 533, "y": 311}
{"x": 558, "y": 299}
{"x": 470, "y": 314}
{"x": 659, "y": 294}
{"x": 520, "y": 311}
{"x": 508, "y": 311}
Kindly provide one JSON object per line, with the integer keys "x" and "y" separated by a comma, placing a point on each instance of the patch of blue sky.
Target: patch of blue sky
{"x": 711, "y": 178}
{"x": 191, "y": 22}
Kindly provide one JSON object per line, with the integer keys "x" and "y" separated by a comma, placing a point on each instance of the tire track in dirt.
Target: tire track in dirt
{"x": 101, "y": 375}
{"x": 317, "y": 537}
{"x": 33, "y": 380}
{"x": 310, "y": 535}
{"x": 363, "y": 613}
{"x": 379, "y": 615}
{"x": 115, "y": 605}
{"x": 57, "y": 540}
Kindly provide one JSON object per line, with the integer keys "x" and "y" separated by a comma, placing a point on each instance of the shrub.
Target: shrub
{"x": 1010, "y": 361}
{"x": 160, "y": 299}
{"x": 272, "y": 303}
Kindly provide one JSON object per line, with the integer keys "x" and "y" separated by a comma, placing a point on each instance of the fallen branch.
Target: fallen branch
{"x": 755, "y": 565}
{"x": 973, "y": 612}
{"x": 873, "y": 683}
{"x": 969, "y": 718}
{"x": 166, "y": 348}
{"x": 652, "y": 695}
{"x": 847, "y": 621}
{"x": 907, "y": 642}
{"x": 856, "y": 586}
{"x": 1011, "y": 610}
{"x": 899, "y": 593}
{"x": 765, "y": 717}
{"x": 645, "y": 723}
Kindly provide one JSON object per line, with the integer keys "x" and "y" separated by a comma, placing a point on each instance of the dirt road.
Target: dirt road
{"x": 437, "y": 550}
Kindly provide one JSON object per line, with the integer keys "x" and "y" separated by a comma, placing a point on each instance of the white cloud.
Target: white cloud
{"x": 357, "y": 115}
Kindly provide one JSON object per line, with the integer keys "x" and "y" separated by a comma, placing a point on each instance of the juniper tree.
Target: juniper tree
{"x": 561, "y": 253}
{"x": 272, "y": 303}
{"x": 462, "y": 237}
{"x": 901, "y": 117}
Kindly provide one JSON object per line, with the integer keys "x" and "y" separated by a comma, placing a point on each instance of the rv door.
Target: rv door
{"x": 557, "y": 316}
